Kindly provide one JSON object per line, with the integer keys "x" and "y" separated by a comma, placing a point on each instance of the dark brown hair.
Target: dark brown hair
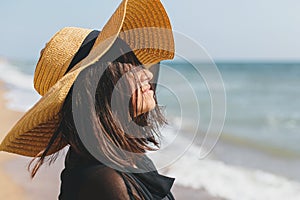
{"x": 102, "y": 125}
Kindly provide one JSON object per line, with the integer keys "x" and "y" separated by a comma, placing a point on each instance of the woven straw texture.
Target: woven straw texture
{"x": 143, "y": 24}
{"x": 56, "y": 57}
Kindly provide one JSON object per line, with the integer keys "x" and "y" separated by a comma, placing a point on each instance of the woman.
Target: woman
{"x": 98, "y": 99}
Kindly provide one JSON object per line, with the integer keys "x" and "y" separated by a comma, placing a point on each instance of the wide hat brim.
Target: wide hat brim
{"x": 143, "y": 24}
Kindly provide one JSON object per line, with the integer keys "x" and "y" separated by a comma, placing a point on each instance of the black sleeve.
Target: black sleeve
{"x": 102, "y": 184}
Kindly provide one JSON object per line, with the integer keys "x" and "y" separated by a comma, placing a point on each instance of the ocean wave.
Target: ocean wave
{"x": 224, "y": 180}
{"x": 232, "y": 182}
{"x": 21, "y": 94}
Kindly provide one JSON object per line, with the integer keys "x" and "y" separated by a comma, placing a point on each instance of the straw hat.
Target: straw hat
{"x": 143, "y": 24}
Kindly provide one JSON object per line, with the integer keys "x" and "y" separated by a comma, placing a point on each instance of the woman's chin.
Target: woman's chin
{"x": 149, "y": 106}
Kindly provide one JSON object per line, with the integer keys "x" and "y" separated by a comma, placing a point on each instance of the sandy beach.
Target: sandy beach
{"x": 16, "y": 184}
{"x": 9, "y": 189}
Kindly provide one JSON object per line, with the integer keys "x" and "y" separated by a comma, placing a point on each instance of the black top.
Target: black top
{"x": 89, "y": 179}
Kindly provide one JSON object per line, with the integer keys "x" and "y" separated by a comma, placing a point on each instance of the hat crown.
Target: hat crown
{"x": 55, "y": 58}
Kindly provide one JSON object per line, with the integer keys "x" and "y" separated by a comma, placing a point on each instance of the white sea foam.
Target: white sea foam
{"x": 227, "y": 181}
{"x": 21, "y": 94}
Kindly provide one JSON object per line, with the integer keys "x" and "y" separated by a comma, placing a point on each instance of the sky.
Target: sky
{"x": 243, "y": 30}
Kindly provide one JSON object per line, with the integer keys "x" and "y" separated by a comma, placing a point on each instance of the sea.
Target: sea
{"x": 244, "y": 116}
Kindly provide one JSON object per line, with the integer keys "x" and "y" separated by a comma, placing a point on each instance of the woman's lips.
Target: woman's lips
{"x": 146, "y": 89}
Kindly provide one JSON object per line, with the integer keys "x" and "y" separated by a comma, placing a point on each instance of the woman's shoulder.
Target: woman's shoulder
{"x": 100, "y": 173}
{"x": 102, "y": 181}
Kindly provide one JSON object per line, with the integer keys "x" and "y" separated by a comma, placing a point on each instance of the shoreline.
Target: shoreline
{"x": 250, "y": 158}
{"x": 243, "y": 154}
{"x": 16, "y": 183}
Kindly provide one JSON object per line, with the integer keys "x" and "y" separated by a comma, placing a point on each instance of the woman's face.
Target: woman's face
{"x": 142, "y": 97}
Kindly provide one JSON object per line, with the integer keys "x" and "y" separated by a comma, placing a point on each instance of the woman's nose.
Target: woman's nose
{"x": 146, "y": 75}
